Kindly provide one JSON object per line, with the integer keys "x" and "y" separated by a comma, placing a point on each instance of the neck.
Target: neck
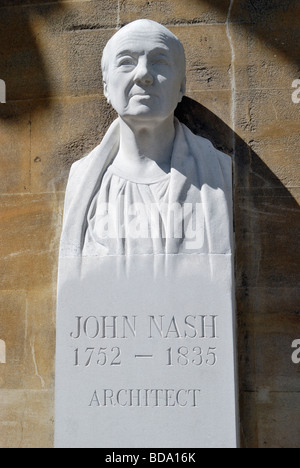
{"x": 146, "y": 149}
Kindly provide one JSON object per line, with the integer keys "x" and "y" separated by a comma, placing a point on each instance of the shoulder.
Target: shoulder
{"x": 78, "y": 166}
{"x": 213, "y": 166}
{"x": 98, "y": 156}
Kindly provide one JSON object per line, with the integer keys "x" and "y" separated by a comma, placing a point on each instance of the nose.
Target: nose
{"x": 143, "y": 73}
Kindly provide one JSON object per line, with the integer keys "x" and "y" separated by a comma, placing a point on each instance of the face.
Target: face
{"x": 143, "y": 78}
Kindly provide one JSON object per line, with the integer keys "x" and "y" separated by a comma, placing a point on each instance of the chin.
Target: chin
{"x": 145, "y": 111}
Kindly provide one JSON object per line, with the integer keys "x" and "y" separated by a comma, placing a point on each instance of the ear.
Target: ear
{"x": 105, "y": 91}
{"x": 182, "y": 89}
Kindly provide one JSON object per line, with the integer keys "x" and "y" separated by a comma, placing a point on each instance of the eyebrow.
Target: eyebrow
{"x": 160, "y": 51}
{"x": 124, "y": 52}
{"x": 156, "y": 51}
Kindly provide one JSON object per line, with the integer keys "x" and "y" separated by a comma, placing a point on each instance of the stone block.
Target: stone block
{"x": 248, "y": 420}
{"x": 267, "y": 140}
{"x": 268, "y": 121}
{"x": 40, "y": 342}
{"x": 82, "y": 61}
{"x": 269, "y": 419}
{"x": 172, "y": 11}
{"x": 278, "y": 418}
{"x": 29, "y": 232}
{"x": 15, "y": 147}
{"x": 26, "y": 419}
{"x": 216, "y": 101}
{"x": 29, "y": 224}
{"x": 265, "y": 18}
{"x": 70, "y": 131}
{"x": 208, "y": 56}
{"x": 26, "y": 3}
{"x": 54, "y": 48}
{"x": 13, "y": 319}
{"x": 266, "y": 229}
{"x": 261, "y": 63}
{"x": 260, "y": 212}
{"x": 274, "y": 367}
{"x": 22, "y": 63}
{"x": 28, "y": 330}
{"x": 37, "y": 269}
{"x": 81, "y": 15}
{"x": 245, "y": 342}
{"x": 268, "y": 268}
{"x": 267, "y": 320}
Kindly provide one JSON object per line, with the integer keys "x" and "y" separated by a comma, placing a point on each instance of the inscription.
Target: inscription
{"x": 201, "y": 326}
{"x": 115, "y": 327}
{"x": 100, "y": 357}
{"x": 190, "y": 328}
{"x": 151, "y": 398}
{"x": 184, "y": 356}
{"x": 144, "y": 356}
{"x": 150, "y": 327}
{"x": 105, "y": 327}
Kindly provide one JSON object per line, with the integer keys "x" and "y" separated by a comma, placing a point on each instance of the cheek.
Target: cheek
{"x": 119, "y": 86}
{"x": 170, "y": 89}
{"x": 163, "y": 82}
{"x": 167, "y": 82}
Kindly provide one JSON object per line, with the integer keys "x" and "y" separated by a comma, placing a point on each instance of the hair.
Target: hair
{"x": 166, "y": 33}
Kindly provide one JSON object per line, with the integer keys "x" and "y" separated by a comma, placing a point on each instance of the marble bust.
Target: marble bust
{"x": 151, "y": 186}
{"x": 144, "y": 354}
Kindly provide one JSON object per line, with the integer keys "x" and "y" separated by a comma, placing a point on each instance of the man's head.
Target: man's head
{"x": 144, "y": 71}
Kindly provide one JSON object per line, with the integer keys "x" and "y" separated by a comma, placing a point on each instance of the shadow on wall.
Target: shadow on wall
{"x": 275, "y": 22}
{"x": 22, "y": 65}
{"x": 267, "y": 217}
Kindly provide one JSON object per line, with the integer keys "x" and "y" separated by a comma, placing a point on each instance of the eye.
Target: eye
{"x": 126, "y": 61}
{"x": 160, "y": 61}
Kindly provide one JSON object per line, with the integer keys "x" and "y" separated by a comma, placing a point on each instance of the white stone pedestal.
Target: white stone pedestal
{"x": 145, "y": 352}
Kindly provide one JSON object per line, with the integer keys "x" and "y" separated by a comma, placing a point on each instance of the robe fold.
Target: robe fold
{"x": 200, "y": 175}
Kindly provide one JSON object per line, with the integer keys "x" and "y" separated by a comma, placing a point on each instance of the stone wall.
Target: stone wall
{"x": 243, "y": 56}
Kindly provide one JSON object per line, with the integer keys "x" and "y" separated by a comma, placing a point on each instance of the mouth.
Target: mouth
{"x": 142, "y": 95}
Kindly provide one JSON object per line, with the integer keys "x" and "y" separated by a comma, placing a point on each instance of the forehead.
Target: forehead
{"x": 138, "y": 41}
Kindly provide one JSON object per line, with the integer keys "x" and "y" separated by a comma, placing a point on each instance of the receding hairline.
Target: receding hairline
{"x": 166, "y": 33}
